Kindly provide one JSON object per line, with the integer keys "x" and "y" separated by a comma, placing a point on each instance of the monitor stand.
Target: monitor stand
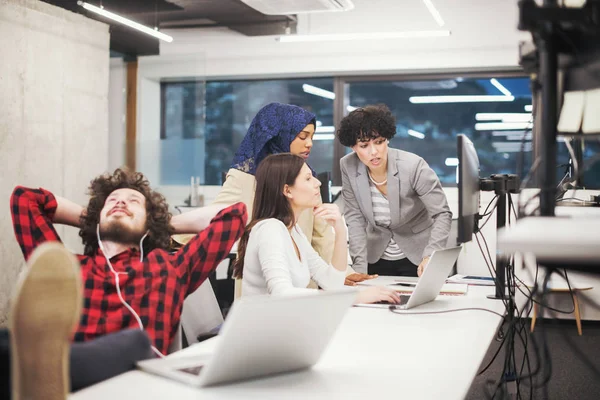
{"x": 503, "y": 185}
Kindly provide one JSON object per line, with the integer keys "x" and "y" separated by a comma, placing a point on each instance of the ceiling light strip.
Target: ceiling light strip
{"x": 434, "y": 12}
{"x": 459, "y": 99}
{"x": 500, "y": 87}
{"x": 363, "y": 36}
{"x": 504, "y": 117}
{"x": 125, "y": 21}
{"x": 416, "y": 134}
{"x": 317, "y": 91}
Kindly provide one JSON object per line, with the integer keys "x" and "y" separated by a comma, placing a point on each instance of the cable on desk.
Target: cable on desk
{"x": 395, "y": 310}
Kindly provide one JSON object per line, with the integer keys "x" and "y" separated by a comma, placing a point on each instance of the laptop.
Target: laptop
{"x": 262, "y": 336}
{"x": 428, "y": 286}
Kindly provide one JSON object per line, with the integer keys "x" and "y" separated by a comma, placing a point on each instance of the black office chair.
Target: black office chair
{"x": 325, "y": 178}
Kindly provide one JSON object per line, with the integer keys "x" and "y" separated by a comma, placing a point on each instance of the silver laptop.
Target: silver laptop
{"x": 428, "y": 286}
{"x": 263, "y": 335}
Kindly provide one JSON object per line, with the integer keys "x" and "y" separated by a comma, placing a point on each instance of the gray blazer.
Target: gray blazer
{"x": 419, "y": 210}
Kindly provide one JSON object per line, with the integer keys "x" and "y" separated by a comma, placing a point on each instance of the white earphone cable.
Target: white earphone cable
{"x": 135, "y": 315}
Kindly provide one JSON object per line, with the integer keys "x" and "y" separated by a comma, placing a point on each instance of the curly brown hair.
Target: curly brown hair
{"x": 158, "y": 217}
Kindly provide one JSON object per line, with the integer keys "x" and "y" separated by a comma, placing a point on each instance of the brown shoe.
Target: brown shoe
{"x": 45, "y": 309}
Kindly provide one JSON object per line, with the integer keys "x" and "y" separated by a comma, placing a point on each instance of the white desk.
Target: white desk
{"x": 374, "y": 353}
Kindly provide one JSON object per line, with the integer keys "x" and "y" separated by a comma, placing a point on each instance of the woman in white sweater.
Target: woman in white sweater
{"x": 274, "y": 255}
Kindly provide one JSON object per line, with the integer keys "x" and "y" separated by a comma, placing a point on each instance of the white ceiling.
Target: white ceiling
{"x": 484, "y": 35}
{"x": 474, "y": 20}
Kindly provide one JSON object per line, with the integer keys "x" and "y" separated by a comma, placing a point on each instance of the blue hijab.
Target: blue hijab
{"x": 272, "y": 131}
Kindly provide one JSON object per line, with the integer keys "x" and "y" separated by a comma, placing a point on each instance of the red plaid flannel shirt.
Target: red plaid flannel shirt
{"x": 155, "y": 287}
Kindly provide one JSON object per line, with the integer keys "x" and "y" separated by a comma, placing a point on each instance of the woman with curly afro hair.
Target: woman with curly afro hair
{"x": 394, "y": 205}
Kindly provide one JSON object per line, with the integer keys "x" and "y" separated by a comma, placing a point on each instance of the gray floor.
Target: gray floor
{"x": 571, "y": 379}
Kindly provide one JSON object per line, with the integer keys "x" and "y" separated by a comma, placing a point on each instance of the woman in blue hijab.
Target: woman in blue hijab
{"x": 278, "y": 128}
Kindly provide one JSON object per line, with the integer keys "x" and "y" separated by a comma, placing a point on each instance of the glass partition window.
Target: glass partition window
{"x": 203, "y": 123}
{"x": 495, "y": 113}
{"x": 207, "y": 121}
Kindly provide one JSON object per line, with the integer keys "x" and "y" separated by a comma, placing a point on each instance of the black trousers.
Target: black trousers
{"x": 402, "y": 267}
{"x": 90, "y": 362}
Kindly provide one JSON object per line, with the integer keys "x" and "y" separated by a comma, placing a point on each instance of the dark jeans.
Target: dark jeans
{"x": 402, "y": 267}
{"x": 90, "y": 362}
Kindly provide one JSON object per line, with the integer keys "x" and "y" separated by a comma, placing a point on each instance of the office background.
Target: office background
{"x": 65, "y": 100}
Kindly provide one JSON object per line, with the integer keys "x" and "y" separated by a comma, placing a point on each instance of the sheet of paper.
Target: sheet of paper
{"x": 591, "y": 116}
{"x": 465, "y": 279}
{"x": 571, "y": 113}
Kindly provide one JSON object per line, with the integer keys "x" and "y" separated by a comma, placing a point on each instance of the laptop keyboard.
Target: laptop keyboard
{"x": 195, "y": 370}
{"x": 403, "y": 300}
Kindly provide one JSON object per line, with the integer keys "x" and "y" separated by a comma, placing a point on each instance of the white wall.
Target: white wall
{"x": 54, "y": 125}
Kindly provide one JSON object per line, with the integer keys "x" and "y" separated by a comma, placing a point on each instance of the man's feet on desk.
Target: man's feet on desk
{"x": 45, "y": 309}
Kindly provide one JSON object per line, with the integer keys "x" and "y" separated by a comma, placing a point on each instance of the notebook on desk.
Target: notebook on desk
{"x": 429, "y": 285}
{"x": 447, "y": 288}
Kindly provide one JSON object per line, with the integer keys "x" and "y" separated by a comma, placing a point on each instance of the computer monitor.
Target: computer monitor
{"x": 325, "y": 178}
{"x": 468, "y": 189}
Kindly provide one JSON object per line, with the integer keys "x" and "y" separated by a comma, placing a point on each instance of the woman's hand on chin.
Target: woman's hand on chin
{"x": 375, "y": 294}
{"x": 330, "y": 213}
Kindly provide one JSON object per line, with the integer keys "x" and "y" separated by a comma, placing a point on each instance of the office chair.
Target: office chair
{"x": 325, "y": 178}
{"x": 201, "y": 316}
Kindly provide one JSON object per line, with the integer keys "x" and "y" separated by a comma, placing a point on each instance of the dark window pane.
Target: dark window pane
{"x": 229, "y": 109}
{"x": 431, "y": 113}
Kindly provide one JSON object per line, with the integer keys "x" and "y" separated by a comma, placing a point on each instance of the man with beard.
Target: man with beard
{"x": 129, "y": 277}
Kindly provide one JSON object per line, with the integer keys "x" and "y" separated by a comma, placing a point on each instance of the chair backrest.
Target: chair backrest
{"x": 177, "y": 343}
{"x": 325, "y": 178}
{"x": 201, "y": 313}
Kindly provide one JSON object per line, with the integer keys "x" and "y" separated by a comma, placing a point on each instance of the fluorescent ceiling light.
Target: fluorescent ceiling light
{"x": 458, "y": 99}
{"x": 500, "y": 87}
{"x": 325, "y": 129}
{"x": 452, "y": 162}
{"x": 362, "y": 36}
{"x": 416, "y": 134}
{"x": 317, "y": 91}
{"x": 529, "y": 107}
{"x": 504, "y": 117}
{"x": 125, "y": 21}
{"x": 434, "y": 12}
{"x": 323, "y": 136}
{"x": 520, "y": 137}
{"x": 514, "y": 135}
{"x": 491, "y": 126}
{"x": 511, "y": 147}
{"x": 351, "y": 108}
